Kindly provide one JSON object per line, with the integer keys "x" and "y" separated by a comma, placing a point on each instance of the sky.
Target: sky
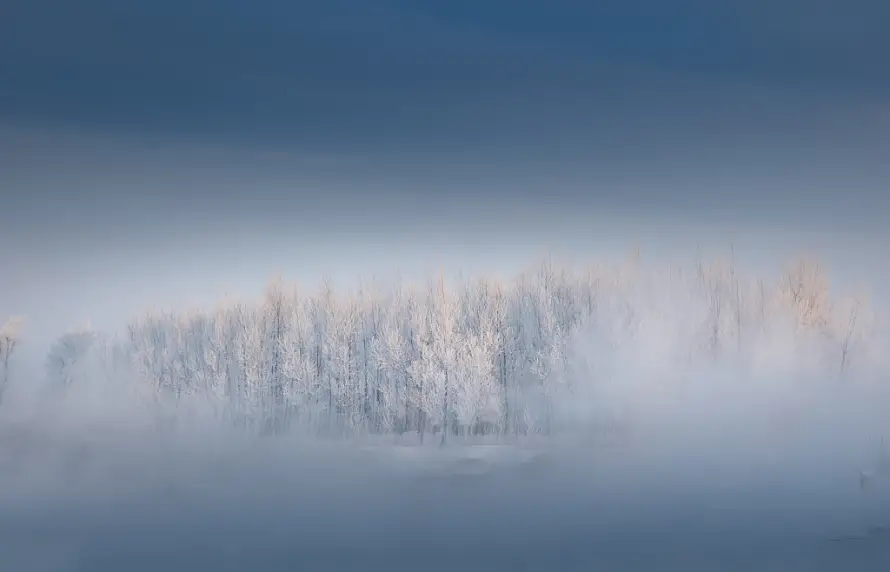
{"x": 167, "y": 152}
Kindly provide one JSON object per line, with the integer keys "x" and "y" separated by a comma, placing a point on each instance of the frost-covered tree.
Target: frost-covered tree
{"x": 483, "y": 355}
{"x": 391, "y": 353}
{"x": 274, "y": 390}
{"x": 477, "y": 398}
{"x": 438, "y": 358}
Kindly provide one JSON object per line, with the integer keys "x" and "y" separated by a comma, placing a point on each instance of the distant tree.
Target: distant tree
{"x": 10, "y": 334}
{"x": 68, "y": 351}
{"x": 390, "y": 352}
{"x": 805, "y": 288}
{"x": 476, "y": 391}
{"x": 853, "y": 320}
{"x": 275, "y": 392}
{"x": 483, "y": 355}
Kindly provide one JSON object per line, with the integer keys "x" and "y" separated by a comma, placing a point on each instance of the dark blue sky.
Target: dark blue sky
{"x": 392, "y": 72}
{"x": 170, "y": 149}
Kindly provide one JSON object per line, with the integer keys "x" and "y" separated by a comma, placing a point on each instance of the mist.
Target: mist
{"x": 750, "y": 457}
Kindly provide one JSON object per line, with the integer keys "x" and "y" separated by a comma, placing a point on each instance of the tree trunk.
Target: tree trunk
{"x": 445, "y": 412}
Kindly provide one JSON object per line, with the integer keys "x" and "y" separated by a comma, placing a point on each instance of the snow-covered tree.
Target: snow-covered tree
{"x": 489, "y": 356}
{"x": 391, "y": 354}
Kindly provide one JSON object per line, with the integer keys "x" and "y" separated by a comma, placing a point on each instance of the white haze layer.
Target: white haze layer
{"x": 749, "y": 460}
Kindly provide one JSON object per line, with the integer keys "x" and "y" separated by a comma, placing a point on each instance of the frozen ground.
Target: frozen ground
{"x": 113, "y": 500}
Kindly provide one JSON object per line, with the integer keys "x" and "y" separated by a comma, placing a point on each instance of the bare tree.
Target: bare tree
{"x": 66, "y": 353}
{"x": 805, "y": 286}
{"x": 853, "y": 320}
{"x": 10, "y": 334}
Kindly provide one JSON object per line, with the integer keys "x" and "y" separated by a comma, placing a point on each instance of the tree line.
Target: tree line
{"x": 455, "y": 359}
